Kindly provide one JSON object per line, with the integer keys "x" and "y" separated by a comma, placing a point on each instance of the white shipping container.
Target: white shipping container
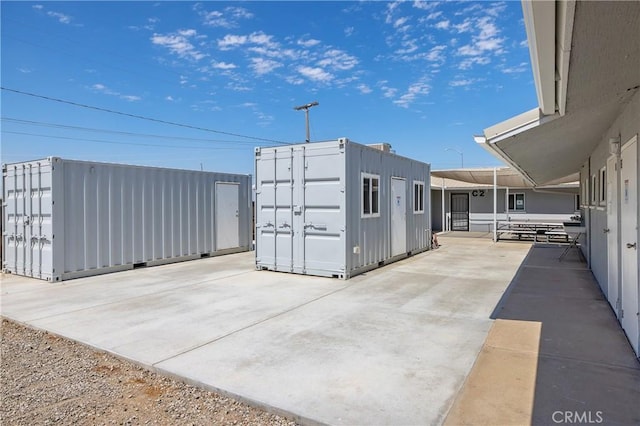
{"x": 66, "y": 219}
{"x": 338, "y": 208}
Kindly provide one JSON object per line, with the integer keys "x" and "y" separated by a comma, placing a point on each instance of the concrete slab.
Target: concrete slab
{"x": 392, "y": 346}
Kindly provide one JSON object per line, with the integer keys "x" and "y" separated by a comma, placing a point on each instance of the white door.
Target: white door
{"x": 612, "y": 233}
{"x": 227, "y": 220}
{"x": 629, "y": 241}
{"x": 398, "y": 216}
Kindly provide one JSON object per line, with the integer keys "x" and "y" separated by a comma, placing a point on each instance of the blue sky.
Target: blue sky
{"x": 422, "y": 76}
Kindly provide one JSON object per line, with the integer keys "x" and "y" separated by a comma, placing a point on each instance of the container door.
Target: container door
{"x": 460, "y": 212}
{"x": 28, "y": 233}
{"x": 612, "y": 234}
{"x": 274, "y": 209}
{"x": 629, "y": 248}
{"x": 319, "y": 207}
{"x": 227, "y": 215}
{"x": 398, "y": 216}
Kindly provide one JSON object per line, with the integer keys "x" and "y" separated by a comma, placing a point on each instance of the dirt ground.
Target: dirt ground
{"x": 45, "y": 379}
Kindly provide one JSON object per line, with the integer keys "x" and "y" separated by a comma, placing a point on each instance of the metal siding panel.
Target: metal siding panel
{"x": 88, "y": 218}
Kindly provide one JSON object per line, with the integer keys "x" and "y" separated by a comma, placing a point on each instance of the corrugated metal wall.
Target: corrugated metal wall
{"x": 308, "y": 208}
{"x": 67, "y": 219}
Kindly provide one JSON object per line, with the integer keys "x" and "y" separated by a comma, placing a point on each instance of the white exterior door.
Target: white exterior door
{"x": 398, "y": 216}
{"x": 629, "y": 241}
{"x": 612, "y": 235}
{"x": 227, "y": 211}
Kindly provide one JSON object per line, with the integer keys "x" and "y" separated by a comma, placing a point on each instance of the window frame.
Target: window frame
{"x": 418, "y": 209}
{"x": 515, "y": 204}
{"x": 602, "y": 199}
{"x": 370, "y": 177}
{"x": 594, "y": 189}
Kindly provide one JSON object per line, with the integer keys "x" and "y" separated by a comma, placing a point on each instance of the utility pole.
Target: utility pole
{"x": 306, "y": 114}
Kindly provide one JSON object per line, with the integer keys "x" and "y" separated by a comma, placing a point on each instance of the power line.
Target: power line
{"x": 118, "y": 143}
{"x": 141, "y": 117}
{"x": 116, "y": 132}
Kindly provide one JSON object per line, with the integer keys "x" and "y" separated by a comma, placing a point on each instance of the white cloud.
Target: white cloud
{"x": 436, "y": 54}
{"x": 419, "y": 88}
{"x": 425, "y": 5}
{"x": 169, "y": 98}
{"x": 130, "y": 98}
{"x": 178, "y": 43}
{"x": 231, "y": 41}
{"x": 25, "y": 70}
{"x": 38, "y": 6}
{"x": 443, "y": 25}
{"x": 229, "y": 17}
{"x": 338, "y": 60}
{"x": 461, "y": 83}
{"x": 496, "y": 9}
{"x": 387, "y": 92}
{"x": 364, "y": 89}
{"x": 434, "y": 15}
{"x": 308, "y": 43}
{"x": 222, "y": 65}
{"x": 315, "y": 74}
{"x": 263, "y": 66}
{"x": 521, "y": 67}
{"x": 400, "y": 22}
{"x": 295, "y": 80}
{"x": 101, "y": 88}
{"x": 465, "y": 27}
{"x": 61, "y": 17}
{"x": 348, "y": 32}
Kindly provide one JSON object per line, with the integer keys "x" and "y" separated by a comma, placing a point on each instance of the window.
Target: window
{"x": 370, "y": 195}
{"x": 516, "y": 202}
{"x": 603, "y": 186}
{"x": 577, "y": 202}
{"x": 594, "y": 189}
{"x": 418, "y": 197}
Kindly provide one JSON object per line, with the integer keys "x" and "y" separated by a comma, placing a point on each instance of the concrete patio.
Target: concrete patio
{"x": 393, "y": 346}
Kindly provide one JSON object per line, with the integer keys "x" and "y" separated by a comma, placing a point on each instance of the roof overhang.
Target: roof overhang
{"x": 596, "y": 70}
{"x": 505, "y": 177}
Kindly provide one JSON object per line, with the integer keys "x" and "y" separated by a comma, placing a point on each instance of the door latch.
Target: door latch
{"x": 630, "y": 245}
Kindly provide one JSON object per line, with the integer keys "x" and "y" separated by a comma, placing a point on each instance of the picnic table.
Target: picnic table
{"x": 547, "y": 230}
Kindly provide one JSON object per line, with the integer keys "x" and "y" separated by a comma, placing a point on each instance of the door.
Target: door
{"x": 460, "y": 212}
{"x": 612, "y": 233}
{"x": 227, "y": 211}
{"x": 398, "y": 216}
{"x": 629, "y": 241}
{"x": 28, "y": 237}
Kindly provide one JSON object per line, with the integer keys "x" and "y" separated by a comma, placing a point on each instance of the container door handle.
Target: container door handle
{"x": 630, "y": 245}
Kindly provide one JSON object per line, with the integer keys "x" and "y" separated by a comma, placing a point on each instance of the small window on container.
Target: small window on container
{"x": 418, "y": 197}
{"x": 594, "y": 189}
{"x": 370, "y": 195}
{"x": 603, "y": 186}
{"x": 516, "y": 202}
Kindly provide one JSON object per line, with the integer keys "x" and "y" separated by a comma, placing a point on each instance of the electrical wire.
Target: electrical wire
{"x": 141, "y": 117}
{"x": 116, "y": 132}
{"x": 122, "y": 143}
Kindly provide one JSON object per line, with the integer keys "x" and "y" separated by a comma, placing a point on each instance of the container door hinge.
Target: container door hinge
{"x": 621, "y": 313}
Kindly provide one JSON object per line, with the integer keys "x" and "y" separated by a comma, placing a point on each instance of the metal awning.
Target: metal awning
{"x": 597, "y": 63}
{"x": 506, "y": 178}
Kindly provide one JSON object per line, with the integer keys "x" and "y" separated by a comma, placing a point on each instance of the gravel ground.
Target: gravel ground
{"x": 46, "y": 379}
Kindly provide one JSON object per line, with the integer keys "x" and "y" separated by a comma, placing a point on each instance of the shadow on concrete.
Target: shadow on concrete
{"x": 587, "y": 371}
